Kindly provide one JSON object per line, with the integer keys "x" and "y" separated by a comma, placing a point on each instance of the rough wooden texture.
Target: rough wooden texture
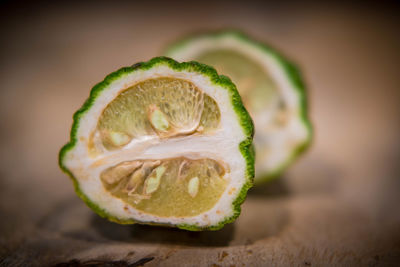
{"x": 338, "y": 205}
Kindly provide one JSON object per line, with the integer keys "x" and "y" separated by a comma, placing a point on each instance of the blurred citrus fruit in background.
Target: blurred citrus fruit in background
{"x": 271, "y": 88}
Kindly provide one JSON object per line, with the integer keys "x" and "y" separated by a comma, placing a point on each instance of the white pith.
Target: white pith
{"x": 221, "y": 145}
{"x": 276, "y": 145}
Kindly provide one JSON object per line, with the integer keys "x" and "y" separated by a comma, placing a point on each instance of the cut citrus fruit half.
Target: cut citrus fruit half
{"x": 165, "y": 143}
{"x": 271, "y": 89}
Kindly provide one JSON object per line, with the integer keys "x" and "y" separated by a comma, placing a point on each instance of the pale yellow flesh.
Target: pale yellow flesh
{"x": 176, "y": 187}
{"x": 164, "y": 107}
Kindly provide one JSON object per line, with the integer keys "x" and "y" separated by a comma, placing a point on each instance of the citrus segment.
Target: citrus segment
{"x": 169, "y": 187}
{"x": 162, "y": 106}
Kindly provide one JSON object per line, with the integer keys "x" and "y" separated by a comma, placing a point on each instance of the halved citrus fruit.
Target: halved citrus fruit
{"x": 165, "y": 143}
{"x": 271, "y": 88}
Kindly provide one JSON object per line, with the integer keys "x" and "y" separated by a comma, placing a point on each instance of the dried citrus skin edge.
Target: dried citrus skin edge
{"x": 193, "y": 68}
{"x": 222, "y": 50}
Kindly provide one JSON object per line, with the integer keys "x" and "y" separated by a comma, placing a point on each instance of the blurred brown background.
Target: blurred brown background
{"x": 338, "y": 205}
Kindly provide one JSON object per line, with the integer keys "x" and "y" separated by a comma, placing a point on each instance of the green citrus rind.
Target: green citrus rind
{"x": 293, "y": 74}
{"x": 245, "y": 145}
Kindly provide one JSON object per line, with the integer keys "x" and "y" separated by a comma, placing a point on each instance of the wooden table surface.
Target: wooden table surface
{"x": 338, "y": 205}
